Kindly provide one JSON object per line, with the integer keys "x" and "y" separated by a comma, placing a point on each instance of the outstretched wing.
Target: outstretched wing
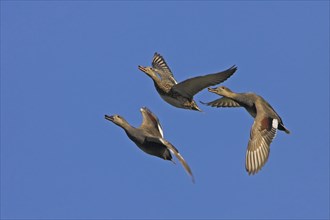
{"x": 222, "y": 102}
{"x": 158, "y": 142}
{"x": 151, "y": 122}
{"x": 178, "y": 155}
{"x": 161, "y": 67}
{"x": 262, "y": 133}
{"x": 190, "y": 87}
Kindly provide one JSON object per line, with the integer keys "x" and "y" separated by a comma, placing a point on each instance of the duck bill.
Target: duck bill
{"x": 110, "y": 118}
{"x": 213, "y": 90}
{"x": 142, "y": 68}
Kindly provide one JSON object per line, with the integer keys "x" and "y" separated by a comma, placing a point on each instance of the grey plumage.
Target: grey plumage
{"x": 263, "y": 131}
{"x": 181, "y": 94}
{"x": 149, "y": 137}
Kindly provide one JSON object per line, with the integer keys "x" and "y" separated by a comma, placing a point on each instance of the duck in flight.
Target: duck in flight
{"x": 149, "y": 137}
{"x": 181, "y": 94}
{"x": 266, "y": 123}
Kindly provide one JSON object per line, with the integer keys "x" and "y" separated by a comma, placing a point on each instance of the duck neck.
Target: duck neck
{"x": 134, "y": 134}
{"x": 231, "y": 95}
{"x": 158, "y": 84}
{"x": 127, "y": 127}
{"x": 155, "y": 78}
{"x": 247, "y": 101}
{"x": 239, "y": 98}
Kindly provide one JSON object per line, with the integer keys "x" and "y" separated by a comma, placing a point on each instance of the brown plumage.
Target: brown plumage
{"x": 181, "y": 94}
{"x": 149, "y": 137}
{"x": 266, "y": 123}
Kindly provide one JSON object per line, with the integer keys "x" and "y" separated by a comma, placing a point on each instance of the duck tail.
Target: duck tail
{"x": 283, "y": 128}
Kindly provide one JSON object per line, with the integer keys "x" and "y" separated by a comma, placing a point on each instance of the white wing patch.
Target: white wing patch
{"x": 160, "y": 130}
{"x": 275, "y": 123}
{"x": 161, "y": 140}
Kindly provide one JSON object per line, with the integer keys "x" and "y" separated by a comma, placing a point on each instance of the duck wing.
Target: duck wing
{"x": 262, "y": 134}
{"x": 151, "y": 122}
{"x": 222, "y": 102}
{"x": 174, "y": 151}
{"x": 281, "y": 125}
{"x": 161, "y": 67}
{"x": 188, "y": 88}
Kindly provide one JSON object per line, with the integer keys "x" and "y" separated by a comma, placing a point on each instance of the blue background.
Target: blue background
{"x": 66, "y": 64}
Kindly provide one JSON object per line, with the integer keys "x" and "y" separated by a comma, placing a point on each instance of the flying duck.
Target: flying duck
{"x": 149, "y": 137}
{"x": 266, "y": 123}
{"x": 181, "y": 94}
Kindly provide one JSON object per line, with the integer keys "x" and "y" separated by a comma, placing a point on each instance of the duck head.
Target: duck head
{"x": 148, "y": 70}
{"x": 221, "y": 90}
{"x": 117, "y": 119}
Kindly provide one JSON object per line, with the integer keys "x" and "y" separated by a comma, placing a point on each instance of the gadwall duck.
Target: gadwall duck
{"x": 149, "y": 137}
{"x": 181, "y": 94}
{"x": 266, "y": 122}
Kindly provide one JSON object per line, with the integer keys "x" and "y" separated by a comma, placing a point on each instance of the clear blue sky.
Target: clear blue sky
{"x": 66, "y": 64}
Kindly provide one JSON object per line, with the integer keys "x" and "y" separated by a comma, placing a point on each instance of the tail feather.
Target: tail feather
{"x": 283, "y": 128}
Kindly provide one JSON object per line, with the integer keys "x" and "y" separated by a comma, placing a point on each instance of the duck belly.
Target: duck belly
{"x": 173, "y": 101}
{"x": 156, "y": 150}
